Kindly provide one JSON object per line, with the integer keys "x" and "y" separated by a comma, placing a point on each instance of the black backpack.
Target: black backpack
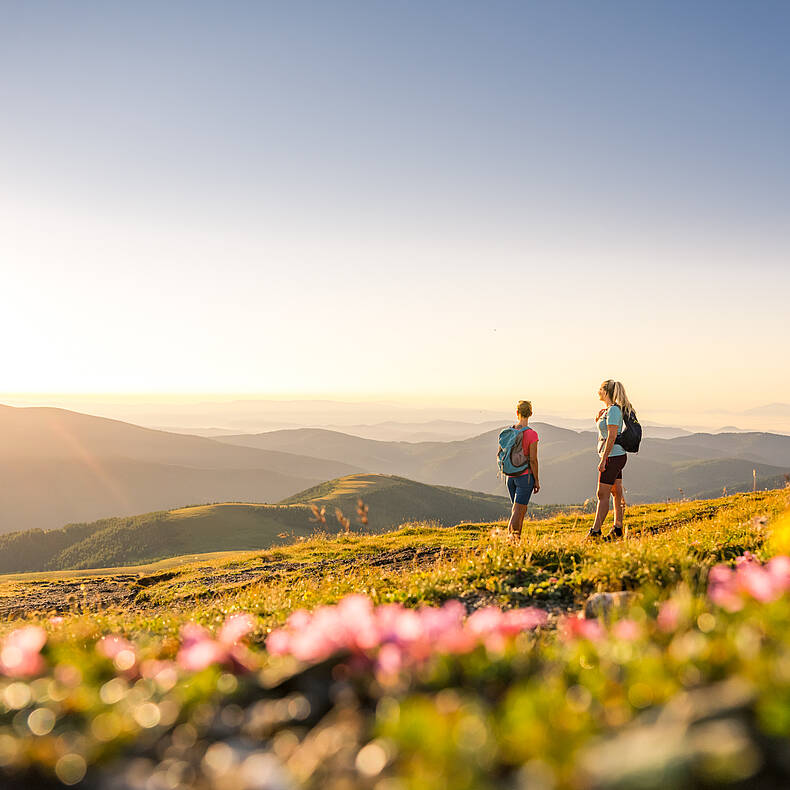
{"x": 631, "y": 436}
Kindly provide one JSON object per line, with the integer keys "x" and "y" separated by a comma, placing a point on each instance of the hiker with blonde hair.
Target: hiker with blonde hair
{"x": 518, "y": 462}
{"x": 613, "y": 456}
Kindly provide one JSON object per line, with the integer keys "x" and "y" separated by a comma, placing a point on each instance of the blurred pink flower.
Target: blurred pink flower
{"x": 627, "y": 630}
{"x": 757, "y": 581}
{"x": 198, "y": 655}
{"x": 235, "y": 628}
{"x": 571, "y": 628}
{"x": 152, "y": 667}
{"x": 485, "y": 620}
{"x": 668, "y": 616}
{"x": 723, "y": 588}
{"x": 278, "y": 643}
{"x": 518, "y": 620}
{"x": 392, "y": 634}
{"x": 20, "y": 652}
{"x": 389, "y": 660}
{"x": 727, "y": 587}
{"x": 110, "y": 645}
{"x": 779, "y": 568}
{"x": 746, "y": 557}
{"x": 200, "y": 650}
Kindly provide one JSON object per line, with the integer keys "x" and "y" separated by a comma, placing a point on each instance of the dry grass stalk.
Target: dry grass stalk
{"x": 342, "y": 520}
{"x": 362, "y": 511}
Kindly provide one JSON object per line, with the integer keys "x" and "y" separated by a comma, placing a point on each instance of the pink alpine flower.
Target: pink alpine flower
{"x": 757, "y": 582}
{"x": 200, "y": 650}
{"x": 745, "y": 558}
{"x": 779, "y": 568}
{"x": 572, "y": 628}
{"x": 727, "y": 587}
{"x": 627, "y": 630}
{"x": 20, "y": 652}
{"x": 120, "y": 651}
{"x": 235, "y": 628}
{"x": 111, "y": 645}
{"x": 393, "y": 636}
{"x": 723, "y": 588}
{"x": 668, "y": 616}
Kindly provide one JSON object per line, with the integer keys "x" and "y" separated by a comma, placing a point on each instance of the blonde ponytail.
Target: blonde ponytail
{"x": 616, "y": 392}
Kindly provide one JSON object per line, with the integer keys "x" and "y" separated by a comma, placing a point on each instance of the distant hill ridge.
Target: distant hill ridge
{"x": 697, "y": 463}
{"x": 239, "y": 526}
{"x": 59, "y": 466}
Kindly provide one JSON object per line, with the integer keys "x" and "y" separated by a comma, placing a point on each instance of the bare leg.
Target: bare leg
{"x": 602, "y": 511}
{"x": 619, "y": 503}
{"x": 517, "y": 519}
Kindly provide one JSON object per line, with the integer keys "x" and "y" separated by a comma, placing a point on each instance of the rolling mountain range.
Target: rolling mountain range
{"x": 58, "y": 466}
{"x": 697, "y": 464}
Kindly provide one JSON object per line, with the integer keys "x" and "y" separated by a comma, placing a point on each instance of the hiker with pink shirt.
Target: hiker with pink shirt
{"x": 518, "y": 462}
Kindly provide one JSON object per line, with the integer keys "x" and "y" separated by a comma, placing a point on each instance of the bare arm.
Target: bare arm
{"x": 533, "y": 464}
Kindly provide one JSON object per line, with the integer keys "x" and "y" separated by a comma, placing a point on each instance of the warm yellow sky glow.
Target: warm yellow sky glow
{"x": 376, "y": 227}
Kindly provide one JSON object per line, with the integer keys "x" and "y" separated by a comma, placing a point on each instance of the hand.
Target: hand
{"x": 602, "y": 465}
{"x": 536, "y": 487}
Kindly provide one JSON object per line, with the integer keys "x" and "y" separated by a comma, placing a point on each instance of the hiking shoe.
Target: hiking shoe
{"x": 615, "y": 534}
{"x": 594, "y": 534}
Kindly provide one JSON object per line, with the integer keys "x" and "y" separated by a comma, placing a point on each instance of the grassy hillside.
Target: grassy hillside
{"x": 394, "y": 500}
{"x": 419, "y": 563}
{"x": 231, "y": 526}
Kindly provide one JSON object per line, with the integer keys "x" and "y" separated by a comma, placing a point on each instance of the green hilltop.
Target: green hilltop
{"x": 232, "y": 526}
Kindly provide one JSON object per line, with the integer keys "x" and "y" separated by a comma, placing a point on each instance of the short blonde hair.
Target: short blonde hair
{"x": 524, "y": 408}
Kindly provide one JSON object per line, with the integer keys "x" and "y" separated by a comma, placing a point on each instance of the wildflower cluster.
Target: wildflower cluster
{"x": 20, "y": 654}
{"x": 394, "y": 637}
{"x": 731, "y": 587}
{"x": 200, "y": 650}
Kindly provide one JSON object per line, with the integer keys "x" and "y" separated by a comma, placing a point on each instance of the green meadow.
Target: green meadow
{"x": 540, "y": 707}
{"x": 229, "y": 526}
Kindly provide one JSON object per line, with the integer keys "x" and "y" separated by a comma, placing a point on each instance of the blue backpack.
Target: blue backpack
{"x": 510, "y": 456}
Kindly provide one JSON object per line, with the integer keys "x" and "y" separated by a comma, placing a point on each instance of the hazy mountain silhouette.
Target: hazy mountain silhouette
{"x": 568, "y": 460}
{"x": 58, "y": 466}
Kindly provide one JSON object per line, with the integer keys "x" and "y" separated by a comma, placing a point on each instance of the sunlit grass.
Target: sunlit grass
{"x": 543, "y": 702}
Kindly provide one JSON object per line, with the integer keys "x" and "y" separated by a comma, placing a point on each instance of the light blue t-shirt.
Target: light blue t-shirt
{"x": 612, "y": 416}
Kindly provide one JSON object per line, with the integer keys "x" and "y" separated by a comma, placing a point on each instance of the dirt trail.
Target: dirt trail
{"x": 68, "y": 595}
{"x": 94, "y": 593}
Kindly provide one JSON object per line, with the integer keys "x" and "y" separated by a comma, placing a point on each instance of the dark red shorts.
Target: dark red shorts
{"x": 613, "y": 469}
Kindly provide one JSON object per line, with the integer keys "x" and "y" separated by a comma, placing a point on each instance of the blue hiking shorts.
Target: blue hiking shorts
{"x": 520, "y": 488}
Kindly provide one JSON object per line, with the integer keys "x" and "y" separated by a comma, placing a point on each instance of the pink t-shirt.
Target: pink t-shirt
{"x": 527, "y": 438}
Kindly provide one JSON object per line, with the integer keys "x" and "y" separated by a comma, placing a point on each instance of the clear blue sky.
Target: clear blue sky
{"x": 467, "y": 200}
